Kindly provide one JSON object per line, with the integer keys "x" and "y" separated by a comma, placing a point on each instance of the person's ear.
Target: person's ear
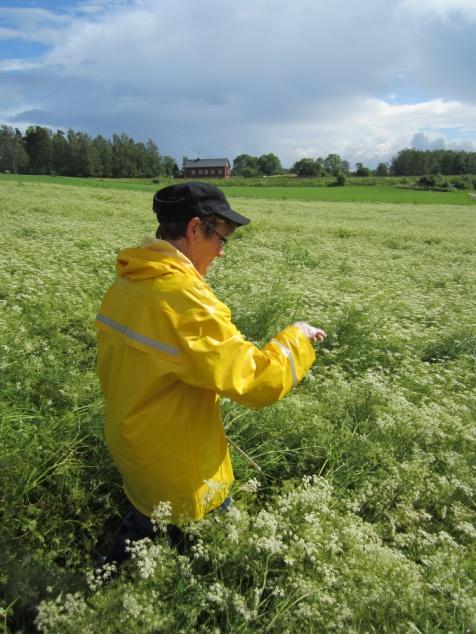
{"x": 193, "y": 228}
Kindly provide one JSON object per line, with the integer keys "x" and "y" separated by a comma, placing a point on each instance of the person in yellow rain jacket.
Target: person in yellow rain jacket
{"x": 167, "y": 351}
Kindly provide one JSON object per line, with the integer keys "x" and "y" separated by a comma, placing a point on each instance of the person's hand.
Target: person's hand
{"x": 313, "y": 334}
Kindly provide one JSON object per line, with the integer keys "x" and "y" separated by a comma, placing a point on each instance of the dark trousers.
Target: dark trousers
{"x": 136, "y": 526}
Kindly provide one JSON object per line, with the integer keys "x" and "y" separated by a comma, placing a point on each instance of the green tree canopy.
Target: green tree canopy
{"x": 306, "y": 167}
{"x": 153, "y": 160}
{"x": 269, "y": 164}
{"x": 334, "y": 164}
{"x": 39, "y": 148}
{"x": 61, "y": 153}
{"x": 168, "y": 166}
{"x": 382, "y": 170}
{"x": 361, "y": 170}
{"x": 42, "y": 151}
{"x": 410, "y": 162}
{"x": 245, "y": 162}
{"x": 103, "y": 151}
{"x": 13, "y": 156}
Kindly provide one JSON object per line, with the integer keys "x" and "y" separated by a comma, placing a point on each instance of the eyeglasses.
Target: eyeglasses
{"x": 223, "y": 240}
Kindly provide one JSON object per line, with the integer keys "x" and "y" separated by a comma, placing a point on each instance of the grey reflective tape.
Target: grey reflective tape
{"x": 286, "y": 351}
{"x": 152, "y": 343}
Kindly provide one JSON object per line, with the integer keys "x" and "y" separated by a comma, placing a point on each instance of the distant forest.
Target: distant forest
{"x": 41, "y": 151}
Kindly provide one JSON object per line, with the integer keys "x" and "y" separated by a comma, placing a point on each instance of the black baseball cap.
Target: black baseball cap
{"x": 184, "y": 201}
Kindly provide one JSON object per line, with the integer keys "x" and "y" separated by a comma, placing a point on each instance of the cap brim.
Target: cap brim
{"x": 234, "y": 216}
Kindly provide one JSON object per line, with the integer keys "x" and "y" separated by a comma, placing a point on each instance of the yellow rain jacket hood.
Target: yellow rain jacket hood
{"x": 167, "y": 350}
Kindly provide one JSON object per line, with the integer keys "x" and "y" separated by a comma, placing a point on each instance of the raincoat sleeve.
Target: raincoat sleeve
{"x": 219, "y": 358}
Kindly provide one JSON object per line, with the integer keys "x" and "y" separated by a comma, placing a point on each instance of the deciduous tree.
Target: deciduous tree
{"x": 13, "y": 156}
{"x": 306, "y": 167}
{"x": 334, "y": 164}
{"x": 269, "y": 165}
{"x": 38, "y": 146}
{"x": 361, "y": 170}
{"x": 245, "y": 162}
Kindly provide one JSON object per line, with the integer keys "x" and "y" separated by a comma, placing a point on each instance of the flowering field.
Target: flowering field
{"x": 362, "y": 518}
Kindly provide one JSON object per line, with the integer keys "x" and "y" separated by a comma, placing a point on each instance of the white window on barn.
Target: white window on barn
{"x": 206, "y": 172}
{"x": 212, "y": 171}
{"x": 199, "y": 172}
{"x": 193, "y": 172}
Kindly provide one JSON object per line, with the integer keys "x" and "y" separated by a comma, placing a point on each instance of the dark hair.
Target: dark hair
{"x": 171, "y": 230}
{"x": 176, "y": 230}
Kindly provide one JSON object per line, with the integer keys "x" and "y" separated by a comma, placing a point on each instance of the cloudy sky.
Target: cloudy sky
{"x": 216, "y": 78}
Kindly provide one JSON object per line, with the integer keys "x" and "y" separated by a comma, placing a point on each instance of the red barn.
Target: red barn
{"x": 211, "y": 168}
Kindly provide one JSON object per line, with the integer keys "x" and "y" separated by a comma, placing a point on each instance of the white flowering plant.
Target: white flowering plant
{"x": 362, "y": 516}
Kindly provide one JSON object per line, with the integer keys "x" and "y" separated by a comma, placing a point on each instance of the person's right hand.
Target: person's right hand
{"x": 312, "y": 333}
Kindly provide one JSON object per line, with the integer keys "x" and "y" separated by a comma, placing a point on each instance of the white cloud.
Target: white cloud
{"x": 98, "y": 6}
{"x": 372, "y": 131}
{"x": 421, "y": 141}
{"x": 299, "y": 79}
{"x": 18, "y": 65}
{"x": 442, "y": 9}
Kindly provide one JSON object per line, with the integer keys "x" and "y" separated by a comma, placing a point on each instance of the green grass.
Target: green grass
{"x": 362, "y": 519}
{"x": 131, "y": 184}
{"x": 384, "y": 190}
{"x": 353, "y": 193}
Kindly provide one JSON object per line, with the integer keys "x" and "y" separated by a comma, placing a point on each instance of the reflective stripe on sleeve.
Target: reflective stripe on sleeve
{"x": 286, "y": 351}
{"x": 152, "y": 343}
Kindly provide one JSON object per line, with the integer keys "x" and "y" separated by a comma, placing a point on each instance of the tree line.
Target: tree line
{"x": 42, "y": 151}
{"x": 418, "y": 162}
{"x": 407, "y": 162}
{"x": 270, "y": 165}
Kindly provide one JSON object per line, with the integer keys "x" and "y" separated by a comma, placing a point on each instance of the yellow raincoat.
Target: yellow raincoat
{"x": 166, "y": 350}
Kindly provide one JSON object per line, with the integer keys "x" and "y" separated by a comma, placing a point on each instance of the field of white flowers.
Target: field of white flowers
{"x": 363, "y": 517}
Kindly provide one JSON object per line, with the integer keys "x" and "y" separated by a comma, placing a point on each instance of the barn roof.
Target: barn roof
{"x": 198, "y": 162}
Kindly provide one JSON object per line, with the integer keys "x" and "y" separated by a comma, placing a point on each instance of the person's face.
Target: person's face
{"x": 205, "y": 248}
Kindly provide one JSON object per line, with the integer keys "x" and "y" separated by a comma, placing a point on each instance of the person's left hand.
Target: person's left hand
{"x": 312, "y": 333}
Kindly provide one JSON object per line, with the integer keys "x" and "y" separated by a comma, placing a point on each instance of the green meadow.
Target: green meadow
{"x": 362, "y": 518}
{"x": 385, "y": 189}
{"x": 354, "y": 193}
